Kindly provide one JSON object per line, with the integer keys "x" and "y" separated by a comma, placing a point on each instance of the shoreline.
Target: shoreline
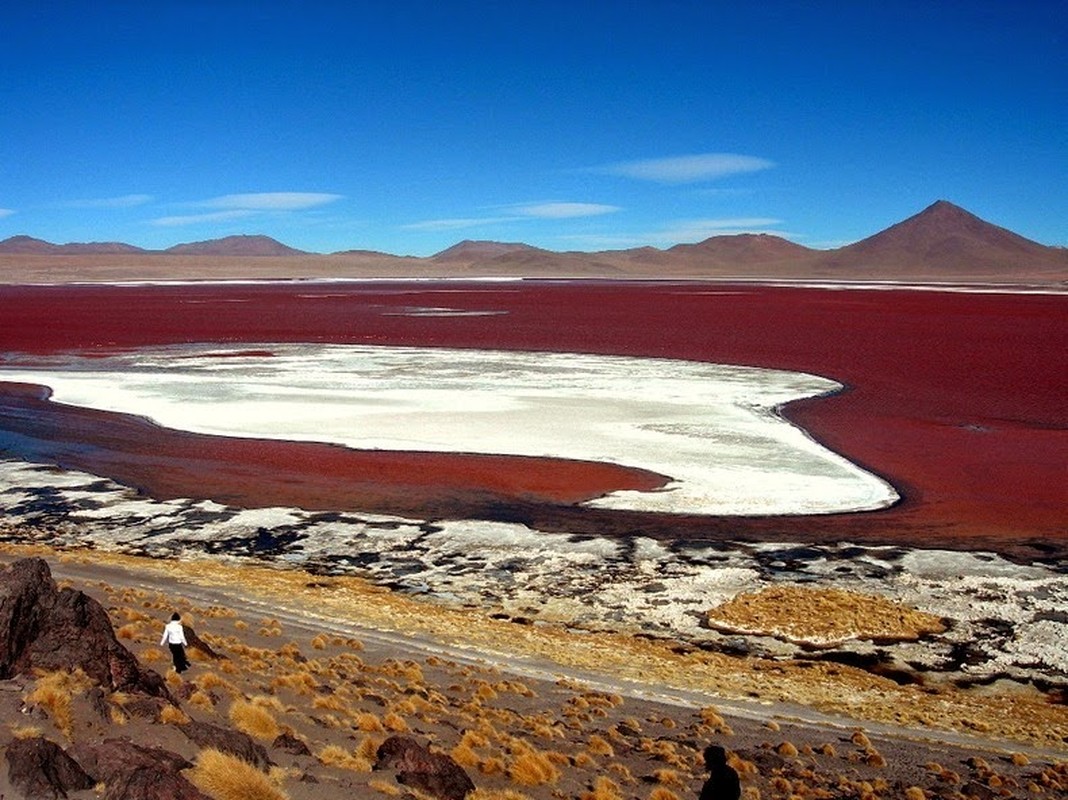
{"x": 840, "y": 695}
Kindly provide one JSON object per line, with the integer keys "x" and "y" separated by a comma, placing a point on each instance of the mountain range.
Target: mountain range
{"x": 941, "y": 243}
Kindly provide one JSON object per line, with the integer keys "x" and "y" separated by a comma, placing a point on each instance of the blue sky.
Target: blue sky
{"x": 407, "y": 126}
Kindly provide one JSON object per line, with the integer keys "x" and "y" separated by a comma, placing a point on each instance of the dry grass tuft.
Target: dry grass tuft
{"x": 254, "y": 720}
{"x": 153, "y": 655}
{"x": 532, "y": 768}
{"x": 496, "y": 794}
{"x": 385, "y": 787}
{"x": 172, "y": 715}
{"x": 54, "y": 691}
{"x": 599, "y": 746}
{"x": 336, "y": 756}
{"x": 860, "y": 739}
{"x": 26, "y": 732}
{"x": 368, "y": 722}
{"x": 226, "y": 777}
{"x": 821, "y": 616}
{"x": 660, "y": 793}
{"x": 603, "y": 789}
{"x": 669, "y": 777}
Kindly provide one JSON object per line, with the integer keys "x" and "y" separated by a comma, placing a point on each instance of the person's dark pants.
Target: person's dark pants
{"x": 181, "y": 663}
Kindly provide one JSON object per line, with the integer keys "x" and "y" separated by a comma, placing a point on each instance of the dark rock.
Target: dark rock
{"x": 113, "y": 757}
{"x": 227, "y": 740}
{"x": 195, "y": 641}
{"x": 134, "y": 772}
{"x": 291, "y": 744}
{"x": 98, "y": 702}
{"x": 147, "y": 783}
{"x": 144, "y": 707}
{"x": 44, "y": 627}
{"x": 979, "y": 791}
{"x": 434, "y": 773}
{"x": 40, "y": 768}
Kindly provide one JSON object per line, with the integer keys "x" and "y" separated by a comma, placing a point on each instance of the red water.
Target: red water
{"x": 959, "y": 399}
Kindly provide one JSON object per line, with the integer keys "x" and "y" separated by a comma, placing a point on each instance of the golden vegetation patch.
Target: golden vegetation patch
{"x": 54, "y": 691}
{"x": 828, "y": 687}
{"x": 225, "y": 777}
{"x": 254, "y": 720}
{"x": 821, "y": 617}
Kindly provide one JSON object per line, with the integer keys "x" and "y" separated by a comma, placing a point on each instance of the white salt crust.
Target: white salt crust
{"x": 713, "y": 430}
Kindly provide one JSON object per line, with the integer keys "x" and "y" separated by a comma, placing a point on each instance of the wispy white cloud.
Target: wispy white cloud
{"x": 519, "y": 212}
{"x": 271, "y": 201}
{"x": 454, "y": 224}
{"x": 686, "y": 231}
{"x": 238, "y": 206}
{"x": 688, "y": 169}
{"x": 564, "y": 210}
{"x": 193, "y": 219}
{"x": 6, "y": 212}
{"x": 123, "y": 201}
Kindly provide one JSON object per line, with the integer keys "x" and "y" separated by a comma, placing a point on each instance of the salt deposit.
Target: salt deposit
{"x": 1006, "y": 620}
{"x": 714, "y": 430}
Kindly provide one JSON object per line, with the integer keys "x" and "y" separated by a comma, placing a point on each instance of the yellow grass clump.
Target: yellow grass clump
{"x": 603, "y": 789}
{"x": 532, "y": 768}
{"x": 821, "y": 617}
{"x": 660, "y": 793}
{"x": 172, "y": 715}
{"x": 367, "y": 722}
{"x": 153, "y": 654}
{"x": 26, "y": 732}
{"x": 599, "y": 746}
{"x": 53, "y": 692}
{"x": 496, "y": 794}
{"x": 669, "y": 777}
{"x": 254, "y": 720}
{"x": 225, "y": 777}
{"x": 385, "y": 787}
{"x": 336, "y": 756}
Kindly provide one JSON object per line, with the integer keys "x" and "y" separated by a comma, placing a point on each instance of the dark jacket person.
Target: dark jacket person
{"x": 722, "y": 783}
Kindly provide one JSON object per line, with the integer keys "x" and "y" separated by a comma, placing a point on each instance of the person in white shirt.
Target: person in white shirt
{"x": 174, "y": 638}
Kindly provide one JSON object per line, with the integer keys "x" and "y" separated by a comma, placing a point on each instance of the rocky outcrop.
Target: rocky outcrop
{"x": 132, "y": 772}
{"x": 226, "y": 740}
{"x": 291, "y": 744}
{"x": 433, "y": 773}
{"x": 45, "y": 627}
{"x": 40, "y": 768}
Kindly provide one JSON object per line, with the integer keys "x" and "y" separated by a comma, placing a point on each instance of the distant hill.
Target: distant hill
{"x": 236, "y": 246}
{"x": 744, "y": 249}
{"x": 944, "y": 239}
{"x": 470, "y": 250}
{"x": 941, "y": 243}
{"x": 27, "y": 245}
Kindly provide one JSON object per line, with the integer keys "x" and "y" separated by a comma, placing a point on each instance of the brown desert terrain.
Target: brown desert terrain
{"x": 306, "y": 677}
{"x": 942, "y": 244}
